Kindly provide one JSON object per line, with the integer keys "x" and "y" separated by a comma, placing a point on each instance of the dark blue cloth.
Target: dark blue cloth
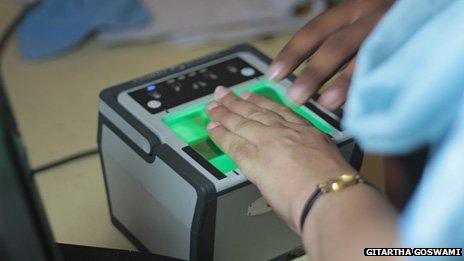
{"x": 57, "y": 26}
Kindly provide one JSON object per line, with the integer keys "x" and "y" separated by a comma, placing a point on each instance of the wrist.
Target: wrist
{"x": 288, "y": 197}
{"x": 308, "y": 195}
{"x": 297, "y": 204}
{"x": 355, "y": 201}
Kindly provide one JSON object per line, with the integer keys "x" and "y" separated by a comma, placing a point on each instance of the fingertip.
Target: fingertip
{"x": 212, "y": 125}
{"x": 276, "y": 71}
{"x": 211, "y": 106}
{"x": 330, "y": 99}
{"x": 245, "y": 95}
{"x": 297, "y": 94}
{"x": 220, "y": 92}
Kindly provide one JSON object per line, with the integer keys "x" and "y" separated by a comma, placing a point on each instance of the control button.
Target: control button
{"x": 151, "y": 88}
{"x": 155, "y": 95}
{"x": 171, "y": 81}
{"x": 247, "y": 71}
{"x": 192, "y": 74}
{"x": 195, "y": 86}
{"x": 202, "y": 84}
{"x": 211, "y": 76}
{"x": 231, "y": 68}
{"x": 182, "y": 77}
{"x": 176, "y": 86}
{"x": 203, "y": 70}
{"x": 154, "y": 104}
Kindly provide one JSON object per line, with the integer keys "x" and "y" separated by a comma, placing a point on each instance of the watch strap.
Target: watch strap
{"x": 307, "y": 207}
{"x": 328, "y": 187}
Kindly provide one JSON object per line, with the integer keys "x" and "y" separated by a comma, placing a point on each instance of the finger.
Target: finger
{"x": 238, "y": 148}
{"x": 246, "y": 109}
{"x": 249, "y": 129}
{"x": 330, "y": 57}
{"x": 335, "y": 95}
{"x": 283, "y": 111}
{"x": 308, "y": 38}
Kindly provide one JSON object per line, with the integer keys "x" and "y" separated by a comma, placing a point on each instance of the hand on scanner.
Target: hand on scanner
{"x": 276, "y": 149}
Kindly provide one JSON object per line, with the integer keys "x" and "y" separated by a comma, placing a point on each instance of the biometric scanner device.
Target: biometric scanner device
{"x": 171, "y": 190}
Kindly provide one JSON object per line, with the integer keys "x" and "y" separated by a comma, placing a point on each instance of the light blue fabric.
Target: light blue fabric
{"x": 57, "y": 26}
{"x": 408, "y": 92}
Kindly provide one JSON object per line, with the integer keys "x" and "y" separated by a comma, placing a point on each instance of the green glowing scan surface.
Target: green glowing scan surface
{"x": 190, "y": 125}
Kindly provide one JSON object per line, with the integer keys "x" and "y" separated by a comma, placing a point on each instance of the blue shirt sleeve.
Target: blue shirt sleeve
{"x": 407, "y": 93}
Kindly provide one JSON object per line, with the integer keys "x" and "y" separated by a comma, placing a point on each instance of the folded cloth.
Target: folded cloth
{"x": 56, "y": 26}
{"x": 407, "y": 93}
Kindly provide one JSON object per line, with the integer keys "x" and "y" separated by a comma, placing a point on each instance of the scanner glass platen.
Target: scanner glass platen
{"x": 190, "y": 125}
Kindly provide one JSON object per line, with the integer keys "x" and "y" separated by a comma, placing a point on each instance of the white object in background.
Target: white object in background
{"x": 192, "y": 22}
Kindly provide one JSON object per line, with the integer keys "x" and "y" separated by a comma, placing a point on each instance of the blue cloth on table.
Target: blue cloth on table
{"x": 57, "y": 26}
{"x": 407, "y": 93}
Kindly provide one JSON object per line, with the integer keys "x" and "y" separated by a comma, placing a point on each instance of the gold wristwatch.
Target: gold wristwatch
{"x": 332, "y": 185}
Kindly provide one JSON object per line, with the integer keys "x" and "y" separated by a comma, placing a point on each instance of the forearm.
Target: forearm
{"x": 340, "y": 225}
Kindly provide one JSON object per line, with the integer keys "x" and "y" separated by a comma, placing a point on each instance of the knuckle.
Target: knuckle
{"x": 220, "y": 113}
{"x": 235, "y": 148}
{"x": 230, "y": 99}
{"x": 283, "y": 110}
{"x": 268, "y": 118}
{"x": 312, "y": 75}
{"x": 337, "y": 45}
{"x": 241, "y": 124}
{"x": 258, "y": 114}
{"x": 234, "y": 105}
{"x": 311, "y": 32}
{"x": 215, "y": 113}
{"x": 299, "y": 121}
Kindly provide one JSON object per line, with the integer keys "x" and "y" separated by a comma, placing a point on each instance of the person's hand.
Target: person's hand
{"x": 276, "y": 149}
{"x": 329, "y": 43}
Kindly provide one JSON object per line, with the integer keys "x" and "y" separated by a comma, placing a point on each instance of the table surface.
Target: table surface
{"x": 56, "y": 103}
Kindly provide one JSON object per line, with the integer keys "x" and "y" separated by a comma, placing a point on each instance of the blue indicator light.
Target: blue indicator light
{"x": 151, "y": 88}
